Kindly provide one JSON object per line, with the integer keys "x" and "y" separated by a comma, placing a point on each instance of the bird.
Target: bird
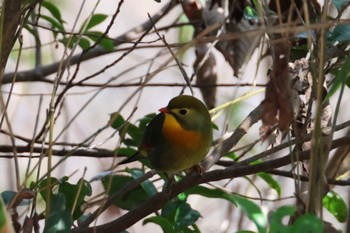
{"x": 178, "y": 137}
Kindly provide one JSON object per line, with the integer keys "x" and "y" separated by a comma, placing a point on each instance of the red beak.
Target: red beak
{"x": 164, "y": 110}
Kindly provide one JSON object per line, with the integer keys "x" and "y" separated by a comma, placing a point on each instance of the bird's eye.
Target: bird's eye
{"x": 183, "y": 112}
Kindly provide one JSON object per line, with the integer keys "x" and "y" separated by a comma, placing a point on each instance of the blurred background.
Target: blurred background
{"x": 87, "y": 108}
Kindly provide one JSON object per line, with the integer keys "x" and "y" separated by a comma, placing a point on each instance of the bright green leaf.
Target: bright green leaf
{"x": 105, "y": 43}
{"x": 116, "y": 120}
{"x": 95, "y": 20}
{"x": 182, "y": 197}
{"x": 336, "y": 205}
{"x": 251, "y": 14}
{"x": 232, "y": 155}
{"x": 52, "y": 8}
{"x": 271, "y": 182}
{"x": 84, "y": 43}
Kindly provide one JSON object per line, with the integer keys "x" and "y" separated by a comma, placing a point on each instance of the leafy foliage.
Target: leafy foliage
{"x": 305, "y": 223}
{"x": 336, "y": 205}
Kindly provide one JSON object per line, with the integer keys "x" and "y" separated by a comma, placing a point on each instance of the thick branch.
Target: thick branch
{"x": 156, "y": 202}
{"x": 12, "y": 15}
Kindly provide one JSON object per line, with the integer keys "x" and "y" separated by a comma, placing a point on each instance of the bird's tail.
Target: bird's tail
{"x": 132, "y": 158}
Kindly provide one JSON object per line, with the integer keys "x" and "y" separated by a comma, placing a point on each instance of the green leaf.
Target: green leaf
{"x": 95, "y": 20}
{"x": 185, "y": 216}
{"x": 251, "y": 14}
{"x": 253, "y": 212}
{"x": 146, "y": 185}
{"x": 116, "y": 120}
{"x": 44, "y": 187}
{"x": 339, "y": 4}
{"x": 59, "y": 219}
{"x": 343, "y": 75}
{"x": 214, "y": 126}
{"x": 299, "y": 51}
{"x": 251, "y": 209}
{"x": 271, "y": 182}
{"x": 70, "y": 42}
{"x": 336, "y": 205}
{"x": 180, "y": 214}
{"x": 75, "y": 193}
{"x": 231, "y": 155}
{"x": 105, "y": 43}
{"x": 162, "y": 222}
{"x": 341, "y": 33}
{"x": 52, "y": 8}
{"x": 305, "y": 223}
{"x": 8, "y": 195}
{"x": 3, "y": 215}
{"x": 135, "y": 133}
{"x": 143, "y": 122}
{"x": 54, "y": 23}
{"x": 127, "y": 152}
{"x": 84, "y": 43}
{"x": 131, "y": 199}
{"x": 276, "y": 224}
{"x": 308, "y": 223}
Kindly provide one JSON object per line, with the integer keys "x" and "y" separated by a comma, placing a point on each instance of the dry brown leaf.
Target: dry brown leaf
{"x": 206, "y": 73}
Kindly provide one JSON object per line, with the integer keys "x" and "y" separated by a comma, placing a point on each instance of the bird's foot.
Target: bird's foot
{"x": 198, "y": 169}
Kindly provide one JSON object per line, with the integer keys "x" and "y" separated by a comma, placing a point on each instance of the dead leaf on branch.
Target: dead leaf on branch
{"x": 205, "y": 63}
{"x": 277, "y": 106}
{"x": 206, "y": 72}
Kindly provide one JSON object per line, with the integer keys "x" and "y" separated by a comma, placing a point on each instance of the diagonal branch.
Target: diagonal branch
{"x": 157, "y": 201}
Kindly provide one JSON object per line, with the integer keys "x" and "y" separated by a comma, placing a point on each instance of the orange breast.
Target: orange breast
{"x": 179, "y": 136}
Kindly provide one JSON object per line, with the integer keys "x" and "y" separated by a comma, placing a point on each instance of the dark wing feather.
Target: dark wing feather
{"x": 151, "y": 138}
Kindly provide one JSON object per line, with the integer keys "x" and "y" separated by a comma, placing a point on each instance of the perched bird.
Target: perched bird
{"x": 178, "y": 138}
